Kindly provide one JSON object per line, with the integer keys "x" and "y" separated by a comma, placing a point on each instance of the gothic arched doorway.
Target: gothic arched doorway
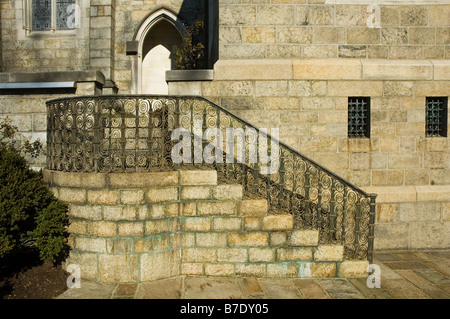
{"x": 156, "y": 37}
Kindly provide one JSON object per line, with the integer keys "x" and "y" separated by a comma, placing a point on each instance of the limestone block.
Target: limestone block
{"x": 132, "y": 196}
{"x": 225, "y": 191}
{"x": 433, "y": 193}
{"x": 237, "y": 15}
{"x": 294, "y": 254}
{"x": 192, "y": 269}
{"x": 248, "y": 239}
{"x": 398, "y": 88}
{"x": 158, "y": 195}
{"x": 394, "y": 36}
{"x": 131, "y": 229}
{"x": 351, "y": 15}
{"x": 261, "y": 254}
{"x": 323, "y": 270}
{"x": 195, "y": 192}
{"x": 72, "y": 195}
{"x": 414, "y": 15}
{"x": 255, "y": 69}
{"x": 142, "y": 245}
{"x": 85, "y": 212}
{"x": 327, "y": 69}
{"x": 441, "y": 70}
{"x": 431, "y": 88}
{"x": 78, "y": 227}
{"x": 303, "y": 238}
{"x": 103, "y": 197}
{"x": 96, "y": 245}
{"x": 329, "y": 253}
{"x": 282, "y": 270}
{"x": 397, "y": 70}
{"x": 363, "y": 35}
{"x": 218, "y": 208}
{"x": 258, "y": 35}
{"x": 353, "y": 269}
{"x": 156, "y": 226}
{"x": 391, "y": 236}
{"x": 227, "y": 223}
{"x": 275, "y": 14}
{"x": 115, "y": 213}
{"x": 278, "y": 238}
{"x": 81, "y": 180}
{"x": 278, "y": 222}
{"x": 159, "y": 265}
{"x": 355, "y": 88}
{"x": 119, "y": 245}
{"x": 143, "y": 180}
{"x": 221, "y": 270}
{"x": 197, "y": 224}
{"x": 253, "y": 207}
{"x": 427, "y": 235}
{"x": 103, "y": 229}
{"x": 210, "y": 239}
{"x": 252, "y": 223}
{"x": 232, "y": 255}
{"x": 250, "y": 270}
{"x": 198, "y": 178}
{"x": 387, "y": 213}
{"x": 87, "y": 263}
{"x": 328, "y": 35}
{"x": 198, "y": 255}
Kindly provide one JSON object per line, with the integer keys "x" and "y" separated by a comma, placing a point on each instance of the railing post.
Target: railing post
{"x": 371, "y": 227}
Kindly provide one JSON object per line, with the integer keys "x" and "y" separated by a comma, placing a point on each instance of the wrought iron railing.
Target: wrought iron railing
{"x": 140, "y": 133}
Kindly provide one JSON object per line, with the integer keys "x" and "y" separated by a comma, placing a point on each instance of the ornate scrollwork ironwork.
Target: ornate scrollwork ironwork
{"x": 133, "y": 133}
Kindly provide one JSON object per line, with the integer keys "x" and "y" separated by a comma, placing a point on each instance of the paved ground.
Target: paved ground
{"x": 404, "y": 275}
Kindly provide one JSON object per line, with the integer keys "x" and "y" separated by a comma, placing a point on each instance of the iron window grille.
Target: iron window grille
{"x": 359, "y": 117}
{"x": 436, "y": 116}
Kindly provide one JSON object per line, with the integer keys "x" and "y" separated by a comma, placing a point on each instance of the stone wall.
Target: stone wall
{"x": 412, "y": 217}
{"x": 308, "y": 101}
{"x": 315, "y": 29}
{"x": 51, "y": 51}
{"x": 137, "y": 227}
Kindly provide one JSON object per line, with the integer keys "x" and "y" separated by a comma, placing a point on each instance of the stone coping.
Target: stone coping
{"x": 189, "y": 75}
{"x": 62, "y": 76}
{"x": 408, "y": 194}
{"x": 331, "y": 69}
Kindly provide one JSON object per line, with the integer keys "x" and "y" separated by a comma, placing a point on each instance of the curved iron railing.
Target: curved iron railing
{"x": 120, "y": 133}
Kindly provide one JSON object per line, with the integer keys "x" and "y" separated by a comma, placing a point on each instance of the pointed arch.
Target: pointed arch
{"x": 154, "y": 20}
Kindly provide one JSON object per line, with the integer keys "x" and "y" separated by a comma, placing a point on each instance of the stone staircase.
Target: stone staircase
{"x": 132, "y": 227}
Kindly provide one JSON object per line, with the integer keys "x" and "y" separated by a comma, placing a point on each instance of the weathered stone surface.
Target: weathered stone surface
{"x": 327, "y": 69}
{"x": 144, "y": 180}
{"x": 198, "y": 178}
{"x": 303, "y": 238}
{"x": 353, "y": 269}
{"x": 255, "y": 207}
{"x": 248, "y": 239}
{"x": 158, "y": 195}
{"x": 278, "y": 222}
{"x": 329, "y": 253}
{"x": 159, "y": 265}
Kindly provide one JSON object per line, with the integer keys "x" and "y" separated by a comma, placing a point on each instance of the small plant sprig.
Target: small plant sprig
{"x": 189, "y": 55}
{"x": 8, "y": 141}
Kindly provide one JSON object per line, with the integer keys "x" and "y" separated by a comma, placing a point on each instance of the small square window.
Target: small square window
{"x": 436, "y": 116}
{"x": 359, "y": 117}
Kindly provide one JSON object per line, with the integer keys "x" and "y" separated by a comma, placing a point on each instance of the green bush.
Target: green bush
{"x": 30, "y": 215}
